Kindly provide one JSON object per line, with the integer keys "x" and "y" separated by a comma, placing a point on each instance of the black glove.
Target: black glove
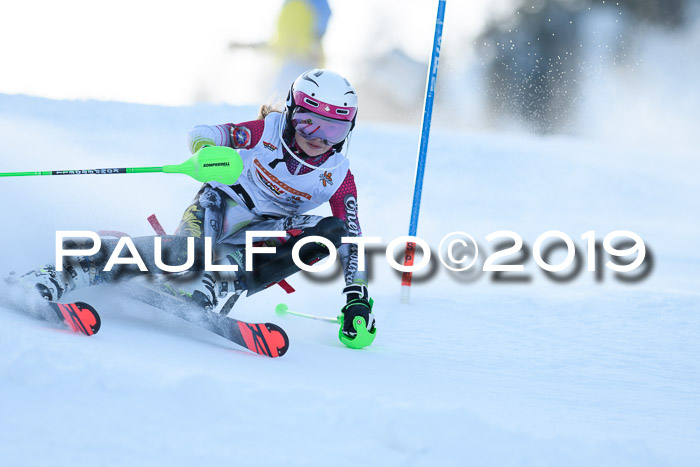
{"x": 358, "y": 304}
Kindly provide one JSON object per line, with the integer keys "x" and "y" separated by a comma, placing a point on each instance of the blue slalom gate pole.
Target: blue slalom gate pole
{"x": 423, "y": 151}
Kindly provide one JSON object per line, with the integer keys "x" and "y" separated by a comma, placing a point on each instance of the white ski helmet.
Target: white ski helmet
{"x": 324, "y": 93}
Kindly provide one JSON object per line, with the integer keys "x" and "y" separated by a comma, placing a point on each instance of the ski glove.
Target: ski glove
{"x": 358, "y": 304}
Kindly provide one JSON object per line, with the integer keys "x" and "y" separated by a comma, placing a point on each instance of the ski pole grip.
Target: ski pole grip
{"x": 211, "y": 164}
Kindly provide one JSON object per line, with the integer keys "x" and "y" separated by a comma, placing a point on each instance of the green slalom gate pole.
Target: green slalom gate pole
{"x": 209, "y": 164}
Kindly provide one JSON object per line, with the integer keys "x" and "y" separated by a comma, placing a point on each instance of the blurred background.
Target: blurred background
{"x": 626, "y": 68}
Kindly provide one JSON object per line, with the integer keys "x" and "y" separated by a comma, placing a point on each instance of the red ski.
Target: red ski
{"x": 79, "y": 317}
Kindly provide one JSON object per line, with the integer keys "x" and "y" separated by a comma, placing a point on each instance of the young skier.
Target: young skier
{"x": 293, "y": 162}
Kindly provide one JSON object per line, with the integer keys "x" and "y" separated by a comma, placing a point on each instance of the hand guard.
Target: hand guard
{"x": 358, "y": 305}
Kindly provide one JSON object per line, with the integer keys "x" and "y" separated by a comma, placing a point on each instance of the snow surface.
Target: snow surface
{"x": 472, "y": 372}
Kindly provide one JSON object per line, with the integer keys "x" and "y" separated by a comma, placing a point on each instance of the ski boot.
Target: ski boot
{"x": 52, "y": 284}
{"x": 205, "y": 288}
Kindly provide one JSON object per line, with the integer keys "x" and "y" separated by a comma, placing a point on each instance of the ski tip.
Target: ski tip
{"x": 264, "y": 338}
{"x": 281, "y": 338}
{"x": 94, "y": 322}
{"x": 79, "y": 317}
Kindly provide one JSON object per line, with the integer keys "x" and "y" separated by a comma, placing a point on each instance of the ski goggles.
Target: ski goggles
{"x": 312, "y": 125}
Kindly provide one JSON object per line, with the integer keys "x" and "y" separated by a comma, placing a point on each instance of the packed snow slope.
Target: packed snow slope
{"x": 594, "y": 370}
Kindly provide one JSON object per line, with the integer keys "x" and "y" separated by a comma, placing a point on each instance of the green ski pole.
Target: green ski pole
{"x": 209, "y": 164}
{"x": 363, "y": 338}
{"x": 283, "y": 309}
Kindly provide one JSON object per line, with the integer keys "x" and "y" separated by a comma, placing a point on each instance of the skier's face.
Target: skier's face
{"x": 312, "y": 147}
